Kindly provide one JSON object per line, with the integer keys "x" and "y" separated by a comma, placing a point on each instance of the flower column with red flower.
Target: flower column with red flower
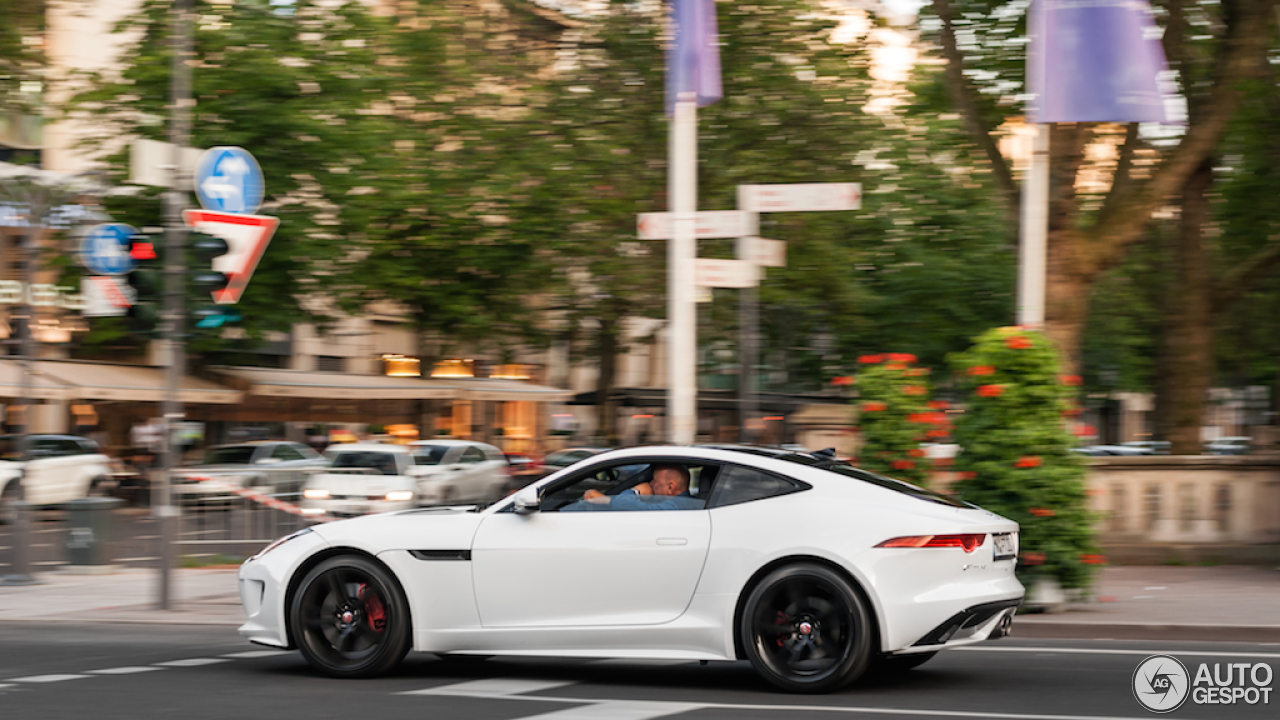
{"x": 1015, "y": 457}
{"x": 895, "y": 416}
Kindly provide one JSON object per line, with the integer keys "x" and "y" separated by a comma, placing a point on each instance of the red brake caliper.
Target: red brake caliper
{"x": 374, "y": 610}
{"x": 782, "y": 619}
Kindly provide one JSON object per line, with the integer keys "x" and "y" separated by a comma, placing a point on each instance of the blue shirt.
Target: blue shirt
{"x": 631, "y": 500}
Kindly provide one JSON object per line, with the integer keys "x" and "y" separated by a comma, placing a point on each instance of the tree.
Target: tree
{"x": 1092, "y": 232}
{"x": 895, "y": 416}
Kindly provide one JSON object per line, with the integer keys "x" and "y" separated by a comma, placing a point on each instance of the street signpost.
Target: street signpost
{"x": 762, "y": 251}
{"x": 708, "y": 224}
{"x": 247, "y": 238}
{"x": 228, "y": 179}
{"x": 710, "y": 272}
{"x": 105, "y": 249}
{"x": 800, "y": 197}
{"x": 105, "y": 296}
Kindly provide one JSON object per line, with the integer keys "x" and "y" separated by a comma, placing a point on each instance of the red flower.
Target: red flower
{"x": 1091, "y": 559}
{"x": 1018, "y": 342}
{"x": 1042, "y": 512}
{"x": 873, "y": 406}
{"x": 1033, "y": 558}
{"x": 918, "y": 418}
{"x": 843, "y": 380}
{"x": 902, "y": 464}
{"x": 917, "y": 372}
{"x": 914, "y": 390}
{"x": 1028, "y": 461}
{"x": 895, "y": 366}
{"x": 939, "y": 404}
{"x": 1085, "y": 431}
{"x": 871, "y": 359}
{"x": 966, "y": 475}
{"x": 990, "y": 390}
{"x": 982, "y": 370}
{"x": 942, "y": 461}
{"x": 1072, "y": 412}
{"x": 902, "y": 357}
{"x": 936, "y": 433}
{"x": 1071, "y": 379}
{"x": 916, "y": 452}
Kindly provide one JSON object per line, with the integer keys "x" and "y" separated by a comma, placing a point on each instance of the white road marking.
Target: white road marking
{"x": 1112, "y": 651}
{"x": 191, "y": 662}
{"x": 46, "y": 678}
{"x": 493, "y": 687}
{"x": 1156, "y": 587}
{"x": 127, "y": 670}
{"x": 619, "y": 710}
{"x": 251, "y": 654}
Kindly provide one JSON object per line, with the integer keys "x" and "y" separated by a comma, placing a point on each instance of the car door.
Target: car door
{"x": 577, "y": 569}
{"x": 474, "y": 476}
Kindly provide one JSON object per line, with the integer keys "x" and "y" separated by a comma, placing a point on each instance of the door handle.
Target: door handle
{"x": 673, "y": 541}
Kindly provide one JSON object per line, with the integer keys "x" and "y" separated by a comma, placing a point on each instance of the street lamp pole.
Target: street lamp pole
{"x": 20, "y": 570}
{"x": 174, "y": 271}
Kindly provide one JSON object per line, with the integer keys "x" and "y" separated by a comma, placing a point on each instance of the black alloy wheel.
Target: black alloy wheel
{"x": 806, "y": 629}
{"x": 350, "y": 619}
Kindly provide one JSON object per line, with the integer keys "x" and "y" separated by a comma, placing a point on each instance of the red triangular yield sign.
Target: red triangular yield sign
{"x": 247, "y": 237}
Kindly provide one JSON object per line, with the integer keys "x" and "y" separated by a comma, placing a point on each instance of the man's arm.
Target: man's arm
{"x": 656, "y": 502}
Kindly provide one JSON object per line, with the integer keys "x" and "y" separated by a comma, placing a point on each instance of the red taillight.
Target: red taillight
{"x": 967, "y": 542}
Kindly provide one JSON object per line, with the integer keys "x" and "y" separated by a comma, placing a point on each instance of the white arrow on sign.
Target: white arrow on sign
{"x": 709, "y": 224}
{"x": 247, "y": 237}
{"x": 711, "y": 272}
{"x": 800, "y": 197}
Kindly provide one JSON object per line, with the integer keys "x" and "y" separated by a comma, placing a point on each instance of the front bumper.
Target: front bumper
{"x": 264, "y": 582}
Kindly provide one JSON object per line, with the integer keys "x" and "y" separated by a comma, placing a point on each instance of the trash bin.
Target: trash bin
{"x": 91, "y": 529}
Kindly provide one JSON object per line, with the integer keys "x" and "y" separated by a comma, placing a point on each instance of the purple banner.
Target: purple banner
{"x": 693, "y": 61}
{"x": 1094, "y": 61}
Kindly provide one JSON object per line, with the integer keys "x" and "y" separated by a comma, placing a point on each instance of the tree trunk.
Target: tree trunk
{"x": 1188, "y": 339}
{"x": 606, "y": 409}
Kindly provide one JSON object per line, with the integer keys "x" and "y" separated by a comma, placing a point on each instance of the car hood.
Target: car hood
{"x": 439, "y": 528}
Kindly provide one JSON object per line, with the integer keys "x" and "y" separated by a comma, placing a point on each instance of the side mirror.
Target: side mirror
{"x": 526, "y": 501}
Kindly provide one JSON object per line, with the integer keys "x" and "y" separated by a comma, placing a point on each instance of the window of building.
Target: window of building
{"x": 330, "y": 363}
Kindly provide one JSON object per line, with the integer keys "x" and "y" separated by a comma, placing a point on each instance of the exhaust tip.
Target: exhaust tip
{"x": 1004, "y": 628}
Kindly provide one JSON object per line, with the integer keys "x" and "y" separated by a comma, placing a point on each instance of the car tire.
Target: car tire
{"x": 350, "y": 619}
{"x": 99, "y": 487}
{"x": 806, "y": 629}
{"x": 9, "y": 496}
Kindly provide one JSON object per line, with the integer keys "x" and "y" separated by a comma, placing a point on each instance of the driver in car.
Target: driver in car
{"x": 668, "y": 490}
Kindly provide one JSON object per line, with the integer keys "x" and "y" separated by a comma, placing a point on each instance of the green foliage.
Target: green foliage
{"x": 895, "y": 416}
{"x": 1015, "y": 457}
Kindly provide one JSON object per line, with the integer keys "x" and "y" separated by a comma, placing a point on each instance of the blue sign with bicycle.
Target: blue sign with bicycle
{"x": 228, "y": 179}
{"x": 105, "y": 249}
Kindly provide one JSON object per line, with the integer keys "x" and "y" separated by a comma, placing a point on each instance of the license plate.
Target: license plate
{"x": 1006, "y": 545}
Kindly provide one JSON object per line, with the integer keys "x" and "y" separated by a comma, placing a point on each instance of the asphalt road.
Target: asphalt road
{"x": 49, "y": 672}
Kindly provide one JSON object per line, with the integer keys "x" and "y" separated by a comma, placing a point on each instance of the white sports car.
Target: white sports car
{"x": 808, "y": 567}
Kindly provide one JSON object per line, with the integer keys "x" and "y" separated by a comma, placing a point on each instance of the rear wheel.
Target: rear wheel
{"x": 350, "y": 618}
{"x": 806, "y": 629}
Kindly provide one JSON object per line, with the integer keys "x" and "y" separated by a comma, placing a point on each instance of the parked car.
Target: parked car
{"x": 272, "y": 467}
{"x": 58, "y": 468}
{"x": 809, "y": 568}
{"x": 1100, "y": 450}
{"x": 553, "y": 462}
{"x": 1231, "y": 445}
{"x": 1157, "y": 447}
{"x": 459, "y": 471}
{"x": 362, "y": 478}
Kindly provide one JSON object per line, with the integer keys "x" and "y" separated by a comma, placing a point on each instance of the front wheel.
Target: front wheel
{"x": 806, "y": 629}
{"x": 350, "y": 618}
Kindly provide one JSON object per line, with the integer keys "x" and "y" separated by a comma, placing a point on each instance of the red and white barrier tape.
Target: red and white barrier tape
{"x": 267, "y": 500}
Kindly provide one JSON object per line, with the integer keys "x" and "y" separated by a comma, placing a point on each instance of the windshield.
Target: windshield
{"x": 234, "y": 455}
{"x": 384, "y": 463}
{"x": 429, "y": 454}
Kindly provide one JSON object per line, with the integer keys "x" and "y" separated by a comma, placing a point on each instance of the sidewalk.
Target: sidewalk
{"x": 1224, "y": 604}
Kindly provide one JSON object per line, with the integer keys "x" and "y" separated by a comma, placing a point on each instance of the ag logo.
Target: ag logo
{"x": 1161, "y": 683}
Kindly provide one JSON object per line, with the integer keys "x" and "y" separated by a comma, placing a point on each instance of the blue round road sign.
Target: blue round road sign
{"x": 105, "y": 249}
{"x": 229, "y": 180}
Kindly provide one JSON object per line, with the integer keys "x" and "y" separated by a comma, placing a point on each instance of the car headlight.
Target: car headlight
{"x": 278, "y": 543}
{"x": 315, "y": 494}
{"x": 399, "y": 495}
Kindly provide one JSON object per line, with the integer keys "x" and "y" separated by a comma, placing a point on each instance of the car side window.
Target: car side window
{"x": 616, "y": 483}
{"x": 472, "y": 455}
{"x": 737, "y": 484}
{"x": 284, "y": 453}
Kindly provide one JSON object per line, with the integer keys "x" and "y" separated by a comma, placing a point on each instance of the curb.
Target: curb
{"x": 1145, "y": 631}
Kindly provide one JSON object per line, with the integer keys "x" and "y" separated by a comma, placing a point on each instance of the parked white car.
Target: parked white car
{"x": 362, "y": 478}
{"x": 274, "y": 467}
{"x": 59, "y": 468}
{"x": 452, "y": 472}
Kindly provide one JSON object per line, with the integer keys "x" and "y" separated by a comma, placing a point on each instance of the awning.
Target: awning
{"x": 270, "y": 382}
{"x": 506, "y": 390}
{"x": 129, "y": 383}
{"x": 42, "y": 387}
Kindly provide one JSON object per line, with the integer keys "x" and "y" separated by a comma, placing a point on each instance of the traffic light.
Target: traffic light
{"x": 207, "y": 282}
{"x": 145, "y": 283}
